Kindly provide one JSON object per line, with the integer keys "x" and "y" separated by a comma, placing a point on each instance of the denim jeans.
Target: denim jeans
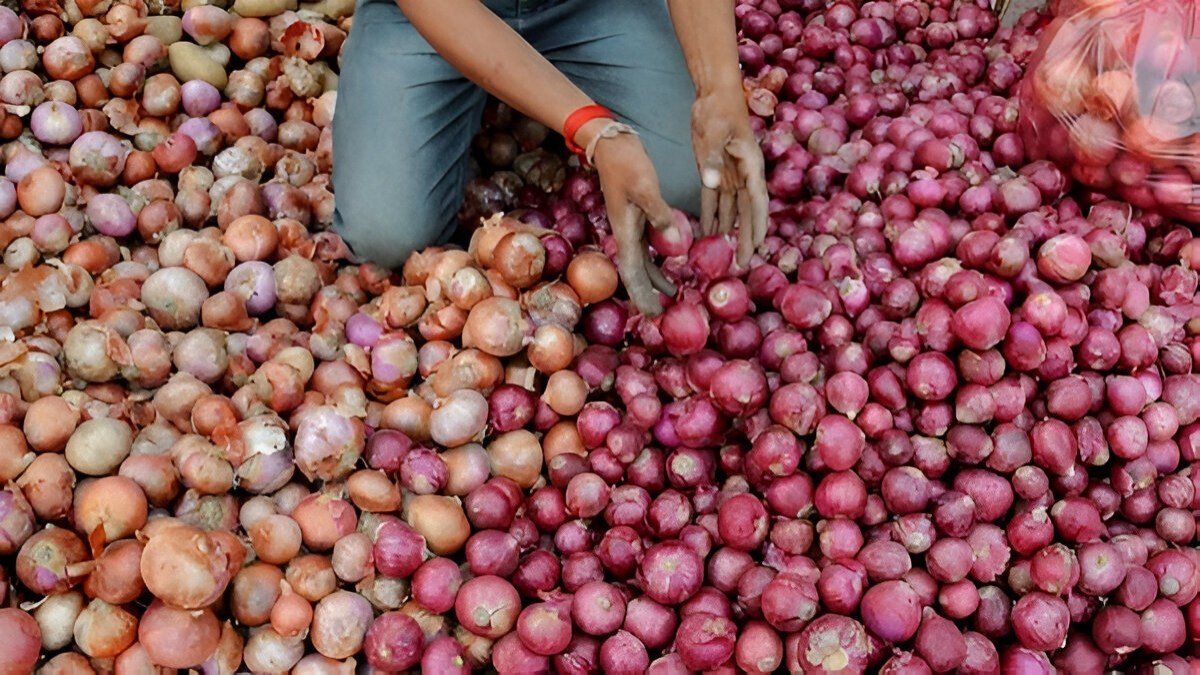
{"x": 405, "y": 117}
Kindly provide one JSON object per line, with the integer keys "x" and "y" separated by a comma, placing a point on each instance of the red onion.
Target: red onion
{"x": 671, "y": 572}
{"x": 705, "y": 641}
{"x": 891, "y": 610}
{"x": 393, "y": 642}
{"x": 487, "y": 606}
{"x": 1040, "y": 621}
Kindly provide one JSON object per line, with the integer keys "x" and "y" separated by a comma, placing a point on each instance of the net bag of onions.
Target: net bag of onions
{"x": 1111, "y": 96}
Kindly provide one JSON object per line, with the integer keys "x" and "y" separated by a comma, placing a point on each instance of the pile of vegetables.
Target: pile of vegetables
{"x": 1111, "y": 97}
{"x": 944, "y": 421}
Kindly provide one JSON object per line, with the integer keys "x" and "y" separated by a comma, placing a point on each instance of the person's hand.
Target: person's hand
{"x": 632, "y": 196}
{"x": 734, "y": 187}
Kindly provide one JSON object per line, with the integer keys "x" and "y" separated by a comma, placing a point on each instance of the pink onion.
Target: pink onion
{"x": 55, "y": 123}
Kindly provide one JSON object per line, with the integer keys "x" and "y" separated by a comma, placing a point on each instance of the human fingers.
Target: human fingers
{"x": 631, "y": 257}
{"x": 727, "y": 211}
{"x": 659, "y": 281}
{"x": 708, "y": 211}
{"x": 745, "y": 233}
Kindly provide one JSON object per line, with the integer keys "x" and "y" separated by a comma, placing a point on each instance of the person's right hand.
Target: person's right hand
{"x": 633, "y": 198}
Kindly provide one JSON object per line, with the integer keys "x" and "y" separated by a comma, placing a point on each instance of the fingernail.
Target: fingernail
{"x": 712, "y": 179}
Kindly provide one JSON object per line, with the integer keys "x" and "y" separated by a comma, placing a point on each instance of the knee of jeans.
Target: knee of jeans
{"x": 386, "y": 234}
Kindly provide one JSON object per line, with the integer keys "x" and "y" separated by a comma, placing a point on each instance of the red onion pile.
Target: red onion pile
{"x": 945, "y": 420}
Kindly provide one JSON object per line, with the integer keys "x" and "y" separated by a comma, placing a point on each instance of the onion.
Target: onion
{"x": 174, "y": 296}
{"x": 41, "y": 191}
{"x": 496, "y": 326}
{"x": 99, "y": 446}
{"x": 67, "y": 58}
{"x": 459, "y": 418}
{"x": 24, "y": 639}
{"x": 97, "y": 158}
{"x": 393, "y": 642}
{"x": 114, "y": 506}
{"x": 943, "y": 412}
{"x": 328, "y": 443}
{"x": 111, "y": 215}
{"x": 117, "y": 575}
{"x": 177, "y": 638}
{"x": 440, "y": 520}
{"x": 56, "y": 123}
{"x": 592, "y": 276}
{"x": 201, "y": 567}
{"x": 103, "y": 630}
{"x": 340, "y": 623}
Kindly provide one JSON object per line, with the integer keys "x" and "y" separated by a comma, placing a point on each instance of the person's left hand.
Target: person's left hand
{"x": 732, "y": 173}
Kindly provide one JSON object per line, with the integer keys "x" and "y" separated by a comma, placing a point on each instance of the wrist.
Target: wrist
{"x": 588, "y": 134}
{"x": 611, "y": 130}
{"x": 585, "y": 116}
{"x": 726, "y": 82}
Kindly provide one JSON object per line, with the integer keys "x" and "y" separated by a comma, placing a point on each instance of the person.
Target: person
{"x": 650, "y": 89}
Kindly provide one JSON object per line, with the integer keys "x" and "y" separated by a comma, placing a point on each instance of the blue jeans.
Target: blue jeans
{"x": 405, "y": 117}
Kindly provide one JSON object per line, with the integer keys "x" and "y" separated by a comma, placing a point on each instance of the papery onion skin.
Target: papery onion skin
{"x": 496, "y": 326}
{"x": 328, "y": 444}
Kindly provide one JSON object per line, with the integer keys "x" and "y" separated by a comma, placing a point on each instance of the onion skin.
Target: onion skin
{"x": 113, "y": 505}
{"x": 176, "y": 638}
{"x": 41, "y": 191}
{"x": 496, "y": 326}
{"x": 347, "y": 616}
{"x": 328, "y": 444}
{"x": 24, "y": 639}
{"x": 183, "y": 553}
{"x": 440, "y": 520}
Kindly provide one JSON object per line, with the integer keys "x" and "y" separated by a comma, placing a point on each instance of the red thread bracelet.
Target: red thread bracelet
{"x": 579, "y": 118}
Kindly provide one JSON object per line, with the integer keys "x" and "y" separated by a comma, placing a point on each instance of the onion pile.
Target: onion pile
{"x": 944, "y": 421}
{"x": 1111, "y": 98}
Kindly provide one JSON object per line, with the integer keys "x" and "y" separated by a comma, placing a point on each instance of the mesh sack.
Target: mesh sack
{"x": 1111, "y": 96}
